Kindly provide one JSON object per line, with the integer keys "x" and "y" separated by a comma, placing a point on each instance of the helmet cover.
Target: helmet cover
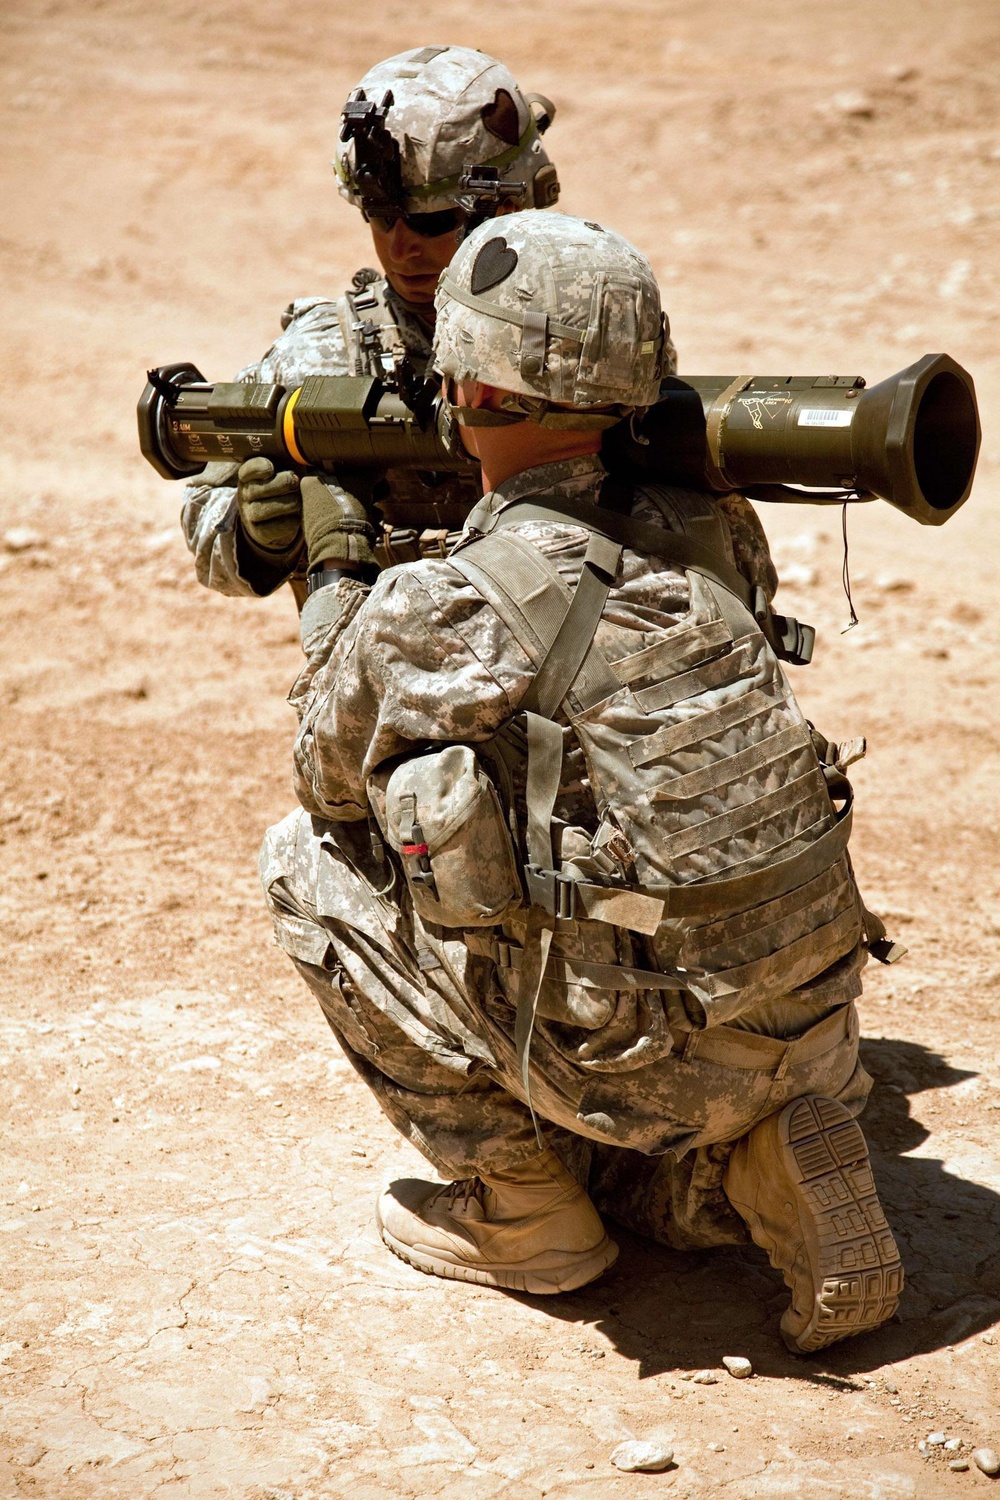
{"x": 551, "y": 307}
{"x": 419, "y": 121}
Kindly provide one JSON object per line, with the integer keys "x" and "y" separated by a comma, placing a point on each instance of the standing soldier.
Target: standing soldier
{"x": 432, "y": 141}
{"x": 603, "y": 916}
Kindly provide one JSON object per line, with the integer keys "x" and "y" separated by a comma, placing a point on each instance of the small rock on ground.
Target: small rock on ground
{"x": 936, "y": 1439}
{"x": 987, "y": 1460}
{"x": 21, "y": 539}
{"x": 705, "y": 1377}
{"x": 738, "y": 1367}
{"x": 637, "y": 1457}
{"x": 959, "y": 1465}
{"x": 29, "y": 1455}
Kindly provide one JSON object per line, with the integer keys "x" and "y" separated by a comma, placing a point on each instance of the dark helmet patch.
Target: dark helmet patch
{"x": 500, "y": 118}
{"x": 494, "y": 263}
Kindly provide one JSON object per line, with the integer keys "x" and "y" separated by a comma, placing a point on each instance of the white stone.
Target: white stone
{"x": 987, "y": 1460}
{"x": 935, "y": 1439}
{"x": 22, "y": 539}
{"x": 738, "y": 1367}
{"x": 705, "y": 1377}
{"x": 959, "y": 1465}
{"x": 716, "y": 1447}
{"x": 853, "y": 103}
{"x": 953, "y": 1445}
{"x": 637, "y": 1457}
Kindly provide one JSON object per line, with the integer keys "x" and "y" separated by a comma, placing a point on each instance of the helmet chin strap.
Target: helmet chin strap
{"x": 516, "y": 408}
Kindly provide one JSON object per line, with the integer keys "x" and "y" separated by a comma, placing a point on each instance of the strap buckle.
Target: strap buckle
{"x": 553, "y": 891}
{"x": 790, "y": 639}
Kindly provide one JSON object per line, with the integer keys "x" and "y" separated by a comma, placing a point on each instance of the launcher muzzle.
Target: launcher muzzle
{"x": 912, "y": 439}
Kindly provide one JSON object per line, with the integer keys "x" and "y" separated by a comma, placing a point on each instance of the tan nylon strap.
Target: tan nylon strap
{"x": 703, "y": 726}
{"x": 526, "y": 591}
{"x": 713, "y": 832}
{"x": 718, "y": 413}
{"x": 709, "y": 897}
{"x": 545, "y": 749}
{"x": 678, "y": 650}
{"x": 534, "y": 960}
{"x": 562, "y": 661}
{"x": 505, "y": 314}
{"x": 600, "y": 976}
{"x": 724, "y": 772}
{"x": 719, "y": 672}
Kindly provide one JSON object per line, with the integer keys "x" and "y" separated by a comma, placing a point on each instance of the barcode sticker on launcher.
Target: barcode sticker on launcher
{"x": 820, "y": 418}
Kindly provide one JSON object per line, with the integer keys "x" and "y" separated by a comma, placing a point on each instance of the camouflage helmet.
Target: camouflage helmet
{"x": 556, "y": 309}
{"x": 443, "y": 127}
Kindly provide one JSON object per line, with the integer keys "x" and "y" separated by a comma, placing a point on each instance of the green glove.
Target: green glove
{"x": 270, "y": 509}
{"x": 335, "y": 525}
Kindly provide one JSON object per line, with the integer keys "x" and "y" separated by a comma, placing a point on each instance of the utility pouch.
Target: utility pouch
{"x": 441, "y": 814}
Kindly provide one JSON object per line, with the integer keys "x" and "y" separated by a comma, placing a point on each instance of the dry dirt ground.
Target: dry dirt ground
{"x": 195, "y": 1300}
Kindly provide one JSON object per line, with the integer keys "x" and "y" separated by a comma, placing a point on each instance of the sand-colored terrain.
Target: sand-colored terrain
{"x": 195, "y": 1302}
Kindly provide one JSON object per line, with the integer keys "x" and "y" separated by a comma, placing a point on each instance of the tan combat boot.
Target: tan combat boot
{"x": 531, "y": 1229}
{"x": 802, "y": 1181}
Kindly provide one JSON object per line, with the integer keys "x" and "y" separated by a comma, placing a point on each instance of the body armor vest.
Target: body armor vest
{"x": 718, "y": 873}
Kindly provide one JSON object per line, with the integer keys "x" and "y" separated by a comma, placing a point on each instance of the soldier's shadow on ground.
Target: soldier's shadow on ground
{"x": 675, "y": 1311}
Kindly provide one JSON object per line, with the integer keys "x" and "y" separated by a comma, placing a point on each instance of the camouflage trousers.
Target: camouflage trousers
{"x": 423, "y": 1021}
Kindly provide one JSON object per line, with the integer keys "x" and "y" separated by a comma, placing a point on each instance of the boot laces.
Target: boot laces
{"x": 465, "y": 1197}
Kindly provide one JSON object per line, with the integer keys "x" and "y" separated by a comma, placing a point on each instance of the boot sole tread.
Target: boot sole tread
{"x": 576, "y": 1271}
{"x": 859, "y": 1275}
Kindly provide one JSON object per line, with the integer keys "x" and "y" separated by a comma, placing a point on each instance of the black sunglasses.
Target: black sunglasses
{"x": 428, "y": 226}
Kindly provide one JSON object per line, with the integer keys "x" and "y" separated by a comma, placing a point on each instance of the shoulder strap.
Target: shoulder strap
{"x": 554, "y": 628}
{"x": 789, "y": 639}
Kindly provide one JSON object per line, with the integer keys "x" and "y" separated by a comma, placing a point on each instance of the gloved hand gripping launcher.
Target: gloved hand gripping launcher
{"x": 913, "y": 439}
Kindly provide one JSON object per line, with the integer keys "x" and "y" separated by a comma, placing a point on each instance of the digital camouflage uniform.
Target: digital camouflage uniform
{"x": 313, "y": 342}
{"x": 451, "y": 109}
{"x": 646, "y": 1113}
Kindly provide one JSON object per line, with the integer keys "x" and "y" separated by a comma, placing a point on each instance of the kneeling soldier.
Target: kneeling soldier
{"x": 603, "y": 950}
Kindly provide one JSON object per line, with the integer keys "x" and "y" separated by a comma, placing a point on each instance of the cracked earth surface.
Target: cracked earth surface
{"x": 195, "y": 1302}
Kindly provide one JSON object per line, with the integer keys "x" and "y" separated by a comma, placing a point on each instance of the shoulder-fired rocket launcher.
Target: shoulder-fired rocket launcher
{"x": 913, "y": 439}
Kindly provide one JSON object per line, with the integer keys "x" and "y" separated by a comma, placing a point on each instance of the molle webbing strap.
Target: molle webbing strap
{"x": 703, "y": 726}
{"x": 713, "y": 832}
{"x": 720, "y": 773}
{"x": 719, "y": 672}
{"x": 680, "y": 648}
{"x": 710, "y": 898}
